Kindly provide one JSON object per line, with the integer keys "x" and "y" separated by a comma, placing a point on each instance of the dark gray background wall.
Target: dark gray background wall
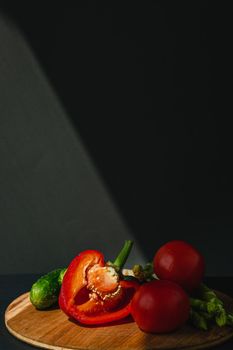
{"x": 148, "y": 89}
{"x": 53, "y": 203}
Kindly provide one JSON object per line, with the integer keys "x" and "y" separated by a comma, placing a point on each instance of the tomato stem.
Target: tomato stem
{"x": 123, "y": 255}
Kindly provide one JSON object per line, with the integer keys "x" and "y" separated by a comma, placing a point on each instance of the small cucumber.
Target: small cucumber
{"x": 45, "y": 291}
{"x": 62, "y": 273}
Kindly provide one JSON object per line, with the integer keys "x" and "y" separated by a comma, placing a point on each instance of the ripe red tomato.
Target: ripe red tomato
{"x": 180, "y": 262}
{"x": 160, "y": 306}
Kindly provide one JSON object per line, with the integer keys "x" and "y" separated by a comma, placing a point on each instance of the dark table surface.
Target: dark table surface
{"x": 12, "y": 286}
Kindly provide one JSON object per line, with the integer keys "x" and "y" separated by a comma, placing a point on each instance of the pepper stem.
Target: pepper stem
{"x": 123, "y": 255}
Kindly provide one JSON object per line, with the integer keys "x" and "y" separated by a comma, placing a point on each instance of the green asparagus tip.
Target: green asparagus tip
{"x": 230, "y": 320}
{"x": 221, "y": 318}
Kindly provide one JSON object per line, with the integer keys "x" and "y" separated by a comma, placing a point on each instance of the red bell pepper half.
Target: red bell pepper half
{"x": 92, "y": 291}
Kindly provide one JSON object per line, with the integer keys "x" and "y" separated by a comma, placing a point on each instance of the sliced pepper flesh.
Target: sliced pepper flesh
{"x": 93, "y": 293}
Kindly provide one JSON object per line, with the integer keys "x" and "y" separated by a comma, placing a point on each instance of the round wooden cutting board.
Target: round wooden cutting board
{"x": 52, "y": 329}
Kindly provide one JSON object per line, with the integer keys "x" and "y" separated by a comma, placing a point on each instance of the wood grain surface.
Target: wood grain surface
{"x": 52, "y": 329}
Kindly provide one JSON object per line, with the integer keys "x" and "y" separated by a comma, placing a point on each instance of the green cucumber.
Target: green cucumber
{"x": 45, "y": 291}
{"x": 62, "y": 273}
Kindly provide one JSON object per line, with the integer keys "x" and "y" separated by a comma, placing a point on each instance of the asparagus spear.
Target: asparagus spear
{"x": 199, "y": 305}
{"x": 209, "y": 295}
{"x": 198, "y": 320}
{"x": 206, "y": 316}
{"x": 214, "y": 305}
{"x": 229, "y": 319}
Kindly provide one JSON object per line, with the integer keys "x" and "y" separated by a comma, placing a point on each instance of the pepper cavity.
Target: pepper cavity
{"x": 92, "y": 291}
{"x": 104, "y": 287}
{"x": 102, "y": 280}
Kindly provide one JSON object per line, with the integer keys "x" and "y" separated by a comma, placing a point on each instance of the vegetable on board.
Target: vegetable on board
{"x": 180, "y": 262}
{"x": 160, "y": 306}
{"x": 93, "y": 292}
{"x": 45, "y": 291}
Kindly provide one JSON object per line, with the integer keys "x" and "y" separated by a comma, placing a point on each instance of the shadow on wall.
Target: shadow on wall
{"x": 53, "y": 203}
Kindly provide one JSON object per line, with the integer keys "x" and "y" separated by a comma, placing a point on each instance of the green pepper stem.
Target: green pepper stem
{"x": 121, "y": 258}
